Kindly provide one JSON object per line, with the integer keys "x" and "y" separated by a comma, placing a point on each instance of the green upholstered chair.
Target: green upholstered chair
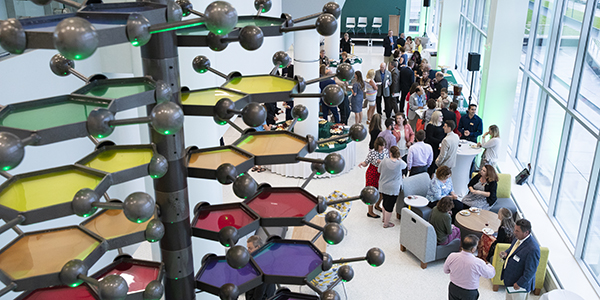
{"x": 498, "y": 262}
{"x": 503, "y": 194}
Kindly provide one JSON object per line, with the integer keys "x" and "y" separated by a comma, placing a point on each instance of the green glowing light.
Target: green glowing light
{"x": 368, "y": 203}
{"x": 343, "y": 79}
{"x": 219, "y": 31}
{"x": 86, "y": 215}
{"x": 6, "y": 168}
{"x": 76, "y": 284}
{"x": 65, "y": 73}
{"x": 299, "y": 119}
{"x": 100, "y": 136}
{"x": 154, "y": 176}
{"x": 242, "y": 174}
{"x": 138, "y": 221}
{"x": 202, "y": 71}
{"x": 186, "y": 14}
{"x": 167, "y": 132}
{"x": 264, "y": 10}
{"x": 373, "y": 265}
{"x": 332, "y": 172}
{"x": 344, "y": 280}
{"x": 177, "y": 28}
{"x": 222, "y": 122}
{"x": 78, "y": 56}
{"x": 226, "y": 245}
{"x": 176, "y": 278}
{"x": 330, "y": 242}
{"x": 152, "y": 241}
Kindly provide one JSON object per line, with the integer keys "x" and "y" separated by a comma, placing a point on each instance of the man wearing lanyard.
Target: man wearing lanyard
{"x": 389, "y": 45}
{"x": 416, "y": 101}
{"x": 383, "y": 80}
{"x": 521, "y": 260}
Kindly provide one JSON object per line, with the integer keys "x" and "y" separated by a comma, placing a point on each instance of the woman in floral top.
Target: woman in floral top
{"x": 375, "y": 156}
{"x": 440, "y": 187}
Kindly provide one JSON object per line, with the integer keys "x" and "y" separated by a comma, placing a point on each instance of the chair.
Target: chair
{"x": 540, "y": 274}
{"x": 503, "y": 194}
{"x": 414, "y": 185}
{"x": 377, "y": 23}
{"x": 362, "y": 24}
{"x": 350, "y": 24}
{"x": 418, "y": 237}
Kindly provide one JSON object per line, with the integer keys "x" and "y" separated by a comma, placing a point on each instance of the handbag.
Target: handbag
{"x": 523, "y": 175}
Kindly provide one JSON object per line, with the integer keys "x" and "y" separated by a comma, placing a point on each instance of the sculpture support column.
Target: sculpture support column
{"x": 306, "y": 64}
{"x": 332, "y": 44}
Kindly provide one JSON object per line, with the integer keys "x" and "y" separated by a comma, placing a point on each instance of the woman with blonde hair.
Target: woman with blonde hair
{"x": 434, "y": 134}
{"x": 370, "y": 93}
{"x": 418, "y": 46}
{"x": 492, "y": 146}
{"x": 357, "y": 96}
{"x": 487, "y": 244}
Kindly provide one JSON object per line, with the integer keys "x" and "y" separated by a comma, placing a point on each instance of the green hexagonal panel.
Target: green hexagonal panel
{"x": 115, "y": 160}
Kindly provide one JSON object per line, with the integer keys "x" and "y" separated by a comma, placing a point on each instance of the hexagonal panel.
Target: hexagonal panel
{"x": 215, "y": 272}
{"x": 289, "y": 261}
{"x": 260, "y": 84}
{"x": 202, "y": 102}
{"x": 137, "y": 273}
{"x": 273, "y": 147}
{"x": 127, "y": 92}
{"x": 196, "y": 36}
{"x": 123, "y": 162}
{"x": 210, "y": 219}
{"x": 283, "y": 206}
{"x": 115, "y": 228}
{"x": 34, "y": 259}
{"x": 203, "y": 163}
{"x": 45, "y": 195}
{"x": 287, "y": 295}
{"x": 82, "y": 292}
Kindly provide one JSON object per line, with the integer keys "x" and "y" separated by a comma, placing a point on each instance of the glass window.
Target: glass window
{"x": 588, "y": 102}
{"x": 542, "y": 36}
{"x": 486, "y": 16}
{"x": 527, "y": 30}
{"x": 543, "y": 174}
{"x": 591, "y": 250}
{"x": 471, "y": 9}
{"x": 513, "y": 123}
{"x": 528, "y": 122}
{"x": 574, "y": 181}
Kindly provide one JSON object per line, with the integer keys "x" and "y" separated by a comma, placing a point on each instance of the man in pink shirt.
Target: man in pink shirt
{"x": 465, "y": 269}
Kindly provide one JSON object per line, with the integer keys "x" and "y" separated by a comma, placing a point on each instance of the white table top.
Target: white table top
{"x": 416, "y": 201}
{"x": 559, "y": 295}
{"x": 466, "y": 148}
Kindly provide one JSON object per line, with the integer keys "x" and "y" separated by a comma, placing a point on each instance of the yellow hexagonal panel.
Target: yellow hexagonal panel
{"x": 272, "y": 144}
{"x": 116, "y": 160}
{"x": 260, "y": 84}
{"x": 213, "y": 159}
{"x": 208, "y": 97}
{"x": 113, "y": 224}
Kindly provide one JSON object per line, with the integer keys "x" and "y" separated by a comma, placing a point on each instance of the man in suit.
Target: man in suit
{"x": 416, "y": 101}
{"x": 401, "y": 41}
{"x": 389, "y": 45}
{"x": 392, "y": 100}
{"x": 407, "y": 78}
{"x": 440, "y": 83}
{"x": 383, "y": 80}
{"x": 521, "y": 260}
{"x": 448, "y": 115}
{"x": 449, "y": 147}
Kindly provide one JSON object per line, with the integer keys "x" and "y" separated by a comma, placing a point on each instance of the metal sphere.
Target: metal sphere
{"x": 244, "y": 186}
{"x": 300, "y": 86}
{"x": 229, "y": 291}
{"x": 228, "y": 236}
{"x": 201, "y": 64}
{"x": 375, "y": 257}
{"x": 369, "y": 195}
{"x": 82, "y": 202}
{"x": 138, "y": 207}
{"x": 226, "y": 173}
{"x": 333, "y": 217}
{"x": 41, "y": 2}
{"x": 320, "y": 168}
{"x": 251, "y": 37}
{"x": 237, "y": 257}
{"x": 162, "y": 92}
{"x": 174, "y": 12}
{"x": 281, "y": 59}
{"x": 344, "y": 72}
{"x": 154, "y": 290}
{"x": 266, "y": 5}
{"x": 97, "y": 122}
{"x": 215, "y": 43}
{"x": 220, "y": 17}
{"x": 223, "y": 108}
{"x": 219, "y": 121}
{"x": 332, "y": 8}
{"x": 358, "y": 132}
{"x": 75, "y": 38}
{"x": 300, "y": 112}
{"x": 327, "y": 262}
{"x": 333, "y": 95}
{"x": 254, "y": 114}
{"x": 71, "y": 270}
{"x": 321, "y": 204}
{"x": 12, "y": 151}
{"x": 326, "y": 24}
{"x": 334, "y": 163}
{"x": 330, "y": 295}
{"x": 155, "y": 230}
{"x": 158, "y": 166}
{"x": 312, "y": 143}
{"x": 12, "y": 36}
{"x": 113, "y": 287}
{"x": 186, "y": 7}
{"x": 167, "y": 118}
{"x": 138, "y": 30}
{"x": 60, "y": 65}
{"x": 346, "y": 273}
{"x": 333, "y": 233}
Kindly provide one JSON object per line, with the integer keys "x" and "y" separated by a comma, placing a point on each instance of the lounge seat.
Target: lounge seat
{"x": 540, "y": 274}
{"x": 414, "y": 185}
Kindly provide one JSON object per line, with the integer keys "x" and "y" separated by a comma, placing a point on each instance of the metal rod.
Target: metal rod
{"x": 176, "y": 25}
{"x": 17, "y": 230}
{"x": 267, "y": 232}
{"x": 343, "y": 200}
{"x": 292, "y": 125}
{"x": 274, "y": 71}
{"x": 305, "y": 18}
{"x": 107, "y": 205}
{"x": 89, "y": 280}
{"x": 11, "y": 287}
{"x": 333, "y": 284}
{"x": 30, "y": 140}
{"x": 333, "y": 138}
{"x": 319, "y": 79}
{"x": 140, "y": 120}
{"x": 197, "y": 13}
{"x": 317, "y": 236}
{"x": 310, "y": 177}
{"x": 120, "y": 250}
{"x": 240, "y": 130}
{"x": 312, "y": 287}
{"x": 5, "y": 174}
{"x": 348, "y": 260}
{"x": 79, "y": 75}
{"x": 315, "y": 226}
{"x": 70, "y": 3}
{"x": 310, "y": 160}
{"x": 217, "y": 73}
{"x": 297, "y": 28}
{"x": 12, "y": 223}
{"x": 306, "y": 95}
{"x": 106, "y": 197}
{"x": 94, "y": 140}
{"x": 260, "y": 8}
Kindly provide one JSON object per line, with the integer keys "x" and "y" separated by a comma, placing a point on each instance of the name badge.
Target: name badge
{"x": 471, "y": 124}
{"x": 516, "y": 258}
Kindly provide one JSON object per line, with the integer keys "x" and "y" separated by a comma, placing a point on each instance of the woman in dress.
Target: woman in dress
{"x": 346, "y": 44}
{"x": 442, "y": 222}
{"x": 390, "y": 183}
{"x": 416, "y": 57}
{"x": 403, "y": 58}
{"x": 374, "y": 129}
{"x": 434, "y": 134}
{"x": 371, "y": 93}
{"x": 492, "y": 146}
{"x": 418, "y": 47}
{"x": 482, "y": 189}
{"x": 440, "y": 187}
{"x": 408, "y": 46}
{"x": 357, "y": 96}
{"x": 404, "y": 134}
{"x": 505, "y": 234}
{"x": 374, "y": 158}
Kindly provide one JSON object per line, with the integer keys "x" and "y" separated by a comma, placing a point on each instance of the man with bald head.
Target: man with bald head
{"x": 383, "y": 80}
{"x": 440, "y": 83}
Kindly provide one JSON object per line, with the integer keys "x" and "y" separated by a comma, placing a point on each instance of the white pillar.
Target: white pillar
{"x": 332, "y": 43}
{"x": 306, "y": 64}
{"x": 500, "y": 67}
{"x": 448, "y": 36}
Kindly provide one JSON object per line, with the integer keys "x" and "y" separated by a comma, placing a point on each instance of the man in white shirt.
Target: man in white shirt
{"x": 420, "y": 155}
{"x": 449, "y": 146}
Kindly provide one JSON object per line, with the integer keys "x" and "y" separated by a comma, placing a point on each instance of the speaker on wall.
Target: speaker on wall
{"x": 425, "y": 3}
{"x": 473, "y": 61}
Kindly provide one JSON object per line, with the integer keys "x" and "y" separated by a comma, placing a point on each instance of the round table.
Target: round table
{"x": 475, "y": 222}
{"x": 416, "y": 201}
{"x": 461, "y": 173}
{"x": 559, "y": 294}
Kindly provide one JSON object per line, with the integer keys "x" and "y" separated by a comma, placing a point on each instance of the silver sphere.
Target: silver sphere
{"x": 332, "y": 8}
{"x": 327, "y": 262}
{"x": 113, "y": 287}
{"x": 369, "y": 195}
{"x": 12, "y": 36}
{"x": 254, "y": 114}
{"x": 319, "y": 168}
{"x": 330, "y": 295}
{"x": 326, "y": 24}
{"x": 226, "y": 173}
{"x": 71, "y": 270}
{"x": 229, "y": 291}
{"x": 375, "y": 257}
{"x": 281, "y": 59}
{"x": 333, "y": 217}
{"x": 346, "y": 273}
{"x": 138, "y": 207}
{"x": 201, "y": 64}
{"x": 245, "y": 186}
{"x": 333, "y": 233}
{"x": 167, "y": 118}
{"x": 174, "y": 12}
{"x": 155, "y": 230}
{"x": 82, "y": 202}
{"x": 138, "y": 30}
{"x": 186, "y": 7}
{"x": 237, "y": 257}
{"x": 321, "y": 204}
{"x": 333, "y": 95}
{"x": 153, "y": 291}
{"x": 312, "y": 144}
{"x": 220, "y": 17}
{"x": 98, "y": 122}
{"x": 12, "y": 151}
{"x": 344, "y": 72}
{"x": 251, "y": 37}
{"x": 215, "y": 43}
{"x": 266, "y": 5}
{"x": 162, "y": 92}
{"x": 228, "y": 236}
{"x": 357, "y": 132}
{"x": 41, "y": 2}
{"x": 223, "y": 108}
{"x": 334, "y": 163}
{"x": 158, "y": 166}
{"x": 75, "y": 38}
{"x": 60, "y": 65}
{"x": 300, "y": 112}
{"x": 301, "y": 85}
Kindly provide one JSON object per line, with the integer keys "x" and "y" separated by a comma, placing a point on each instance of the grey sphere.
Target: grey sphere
{"x": 321, "y": 204}
{"x": 333, "y": 233}
{"x": 201, "y": 64}
{"x": 60, "y": 65}
{"x": 244, "y": 186}
{"x": 162, "y": 92}
{"x": 167, "y": 118}
{"x": 344, "y": 72}
{"x": 41, "y": 2}
{"x": 333, "y": 217}
{"x": 281, "y": 59}
{"x": 98, "y": 122}
{"x": 330, "y": 295}
{"x": 300, "y": 112}
{"x": 237, "y": 257}
{"x": 223, "y": 108}
{"x": 254, "y": 114}
{"x": 228, "y": 236}
{"x": 332, "y": 8}
{"x": 251, "y": 37}
{"x": 138, "y": 30}
{"x": 219, "y": 120}
{"x": 327, "y": 262}
{"x": 69, "y": 272}
{"x": 320, "y": 168}
{"x": 174, "y": 12}
{"x": 215, "y": 43}
{"x": 154, "y": 290}
{"x": 266, "y": 5}
{"x": 326, "y": 24}
{"x": 113, "y": 287}
{"x": 75, "y": 38}
{"x": 155, "y": 230}
{"x": 82, "y": 202}
{"x": 220, "y": 17}
{"x": 357, "y": 132}
{"x": 138, "y": 207}
{"x": 158, "y": 166}
{"x": 375, "y": 257}
{"x": 334, "y": 163}
{"x": 186, "y": 7}
{"x": 226, "y": 173}
{"x": 333, "y": 95}
{"x": 301, "y": 85}
{"x": 12, "y": 151}
{"x": 229, "y": 291}
{"x": 369, "y": 195}
{"x": 12, "y": 36}
{"x": 346, "y": 273}
{"x": 311, "y": 142}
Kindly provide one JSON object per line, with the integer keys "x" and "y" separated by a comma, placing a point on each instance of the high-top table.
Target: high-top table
{"x": 461, "y": 173}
